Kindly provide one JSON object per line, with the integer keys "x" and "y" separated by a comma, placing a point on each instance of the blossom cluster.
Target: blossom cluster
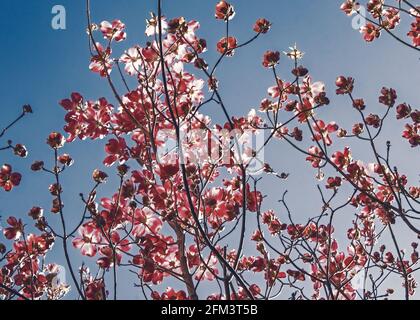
{"x": 384, "y": 17}
{"x": 187, "y": 219}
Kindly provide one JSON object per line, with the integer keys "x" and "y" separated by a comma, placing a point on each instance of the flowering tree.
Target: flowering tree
{"x": 188, "y": 190}
{"x": 384, "y": 17}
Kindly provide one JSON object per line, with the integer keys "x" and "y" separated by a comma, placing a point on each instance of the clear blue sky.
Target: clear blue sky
{"x": 41, "y": 66}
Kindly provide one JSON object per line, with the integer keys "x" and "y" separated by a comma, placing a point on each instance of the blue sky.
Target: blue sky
{"x": 41, "y": 66}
